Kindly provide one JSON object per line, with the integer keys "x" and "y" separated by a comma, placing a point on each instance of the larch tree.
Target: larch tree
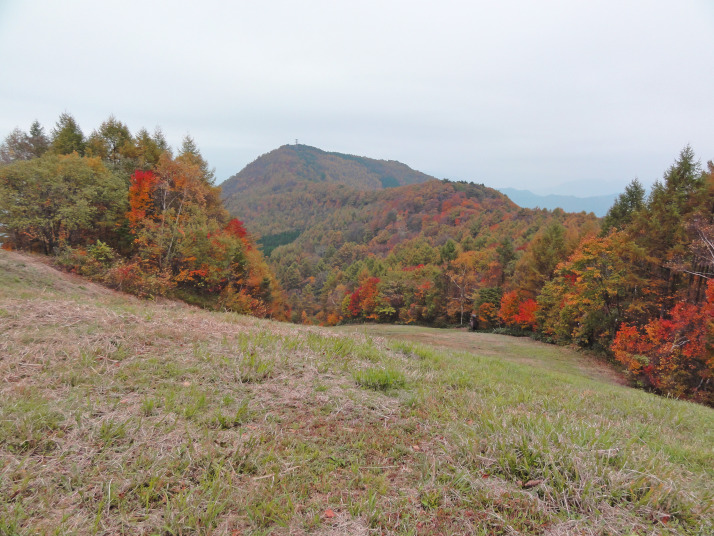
{"x": 67, "y": 137}
{"x": 112, "y": 141}
{"x": 626, "y": 205}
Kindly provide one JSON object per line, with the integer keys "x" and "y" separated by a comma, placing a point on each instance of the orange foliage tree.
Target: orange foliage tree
{"x": 363, "y": 301}
{"x": 183, "y": 239}
{"x": 674, "y": 355}
{"x": 518, "y": 312}
{"x": 598, "y": 287}
{"x": 464, "y": 274}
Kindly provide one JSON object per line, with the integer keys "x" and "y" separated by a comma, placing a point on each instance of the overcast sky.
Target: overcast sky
{"x": 520, "y": 93}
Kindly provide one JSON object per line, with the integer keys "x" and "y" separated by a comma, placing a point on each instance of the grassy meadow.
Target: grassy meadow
{"x": 122, "y": 416}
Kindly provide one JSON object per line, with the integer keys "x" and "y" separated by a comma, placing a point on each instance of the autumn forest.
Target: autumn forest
{"x": 313, "y": 237}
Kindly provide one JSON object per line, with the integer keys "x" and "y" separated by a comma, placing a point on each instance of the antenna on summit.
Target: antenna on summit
{"x": 296, "y": 141}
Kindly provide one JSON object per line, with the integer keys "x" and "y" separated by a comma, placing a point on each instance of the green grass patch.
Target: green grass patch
{"x": 380, "y": 379}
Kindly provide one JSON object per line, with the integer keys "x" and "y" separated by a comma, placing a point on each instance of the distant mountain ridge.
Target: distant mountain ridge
{"x": 598, "y": 205}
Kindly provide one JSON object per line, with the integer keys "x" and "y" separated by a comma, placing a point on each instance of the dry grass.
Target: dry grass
{"x": 119, "y": 416}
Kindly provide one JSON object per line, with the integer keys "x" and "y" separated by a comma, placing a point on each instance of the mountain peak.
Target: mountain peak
{"x": 289, "y": 165}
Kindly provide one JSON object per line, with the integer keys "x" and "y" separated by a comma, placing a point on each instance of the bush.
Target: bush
{"x": 102, "y": 253}
{"x": 128, "y": 276}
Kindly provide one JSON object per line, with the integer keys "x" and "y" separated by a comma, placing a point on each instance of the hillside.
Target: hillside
{"x": 637, "y": 286}
{"x": 326, "y": 233}
{"x": 266, "y": 192}
{"x": 125, "y": 416}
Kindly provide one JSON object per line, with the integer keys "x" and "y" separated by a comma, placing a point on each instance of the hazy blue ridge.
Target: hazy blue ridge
{"x": 598, "y": 205}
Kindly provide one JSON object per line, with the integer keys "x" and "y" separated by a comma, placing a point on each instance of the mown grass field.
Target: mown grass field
{"x": 120, "y": 416}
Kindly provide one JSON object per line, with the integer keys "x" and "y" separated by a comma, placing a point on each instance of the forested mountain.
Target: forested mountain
{"x": 294, "y": 185}
{"x": 289, "y": 163}
{"x": 329, "y": 227}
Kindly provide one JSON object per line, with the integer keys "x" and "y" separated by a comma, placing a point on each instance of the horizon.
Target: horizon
{"x": 500, "y": 189}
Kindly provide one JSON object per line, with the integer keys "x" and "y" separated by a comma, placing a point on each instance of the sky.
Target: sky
{"x": 554, "y": 96}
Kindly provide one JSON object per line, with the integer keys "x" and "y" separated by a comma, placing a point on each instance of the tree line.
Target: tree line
{"x": 125, "y": 210}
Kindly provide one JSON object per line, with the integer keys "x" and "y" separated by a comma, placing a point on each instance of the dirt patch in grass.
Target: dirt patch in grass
{"x": 342, "y": 525}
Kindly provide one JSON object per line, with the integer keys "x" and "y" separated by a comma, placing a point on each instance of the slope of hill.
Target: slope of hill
{"x": 141, "y": 417}
{"x": 598, "y": 205}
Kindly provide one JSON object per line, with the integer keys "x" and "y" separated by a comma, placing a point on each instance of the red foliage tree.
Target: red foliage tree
{"x": 517, "y": 312}
{"x": 235, "y": 227}
{"x": 674, "y": 355}
{"x": 363, "y": 301}
{"x": 526, "y": 317}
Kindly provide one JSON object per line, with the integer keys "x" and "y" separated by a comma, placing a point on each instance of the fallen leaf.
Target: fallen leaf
{"x": 532, "y": 483}
{"x": 329, "y": 514}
